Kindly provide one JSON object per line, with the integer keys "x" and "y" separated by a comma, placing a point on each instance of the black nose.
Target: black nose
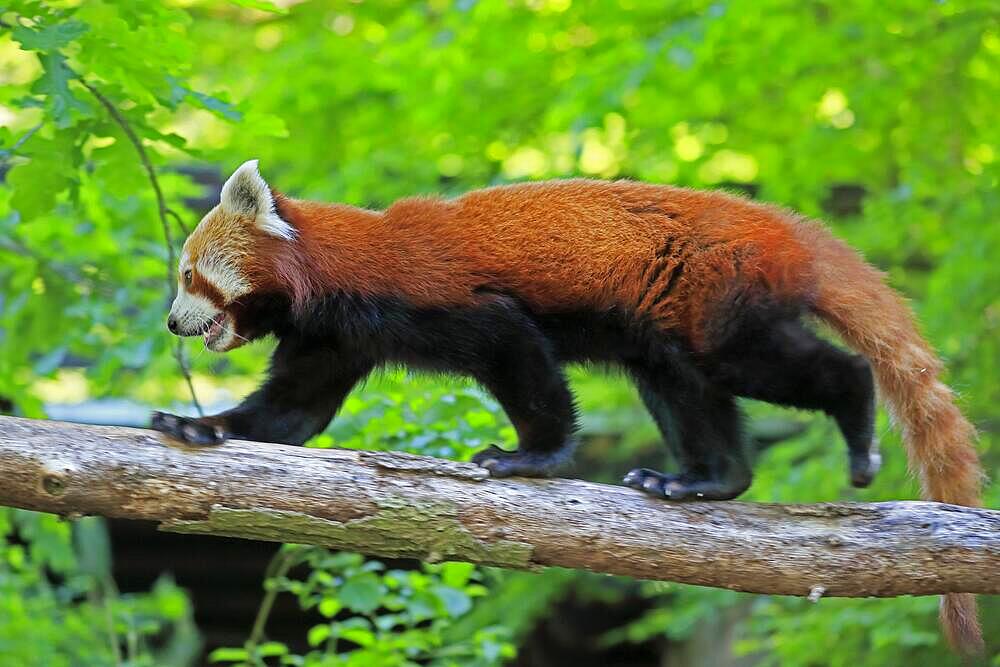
{"x": 172, "y": 324}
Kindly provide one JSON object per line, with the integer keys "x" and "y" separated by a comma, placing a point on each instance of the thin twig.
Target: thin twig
{"x": 161, "y": 203}
{"x": 284, "y": 560}
{"x": 186, "y": 372}
{"x": 10, "y": 153}
{"x": 163, "y": 210}
{"x": 180, "y": 223}
{"x": 27, "y": 135}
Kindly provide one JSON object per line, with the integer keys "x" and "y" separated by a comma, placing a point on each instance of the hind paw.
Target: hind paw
{"x": 865, "y": 466}
{"x": 683, "y": 486}
{"x": 656, "y": 483}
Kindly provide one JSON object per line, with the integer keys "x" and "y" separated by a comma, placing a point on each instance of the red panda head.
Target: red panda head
{"x": 230, "y": 255}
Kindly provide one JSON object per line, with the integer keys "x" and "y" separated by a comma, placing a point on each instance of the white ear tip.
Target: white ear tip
{"x": 247, "y": 193}
{"x": 249, "y": 165}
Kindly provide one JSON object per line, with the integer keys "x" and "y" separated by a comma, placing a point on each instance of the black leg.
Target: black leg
{"x": 702, "y": 426}
{"x": 540, "y": 406}
{"x": 784, "y": 362}
{"x": 528, "y": 382}
{"x": 499, "y": 344}
{"x": 503, "y": 349}
{"x": 306, "y": 386}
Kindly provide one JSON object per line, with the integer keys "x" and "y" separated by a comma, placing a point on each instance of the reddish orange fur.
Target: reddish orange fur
{"x": 529, "y": 239}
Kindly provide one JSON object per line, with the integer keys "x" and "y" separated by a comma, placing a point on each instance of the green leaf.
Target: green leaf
{"x": 217, "y": 106}
{"x": 330, "y": 607}
{"x": 117, "y": 166}
{"x": 50, "y": 37}
{"x": 37, "y": 184}
{"x": 360, "y": 636}
{"x": 262, "y": 5}
{"x": 228, "y": 655}
{"x": 362, "y": 593}
{"x": 54, "y": 84}
{"x": 455, "y": 601}
{"x": 318, "y": 634}
{"x": 423, "y": 605}
{"x": 271, "y": 649}
{"x": 171, "y": 601}
{"x": 456, "y": 574}
{"x": 49, "y": 537}
{"x": 179, "y": 92}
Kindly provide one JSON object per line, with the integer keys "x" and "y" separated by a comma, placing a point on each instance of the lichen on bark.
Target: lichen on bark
{"x": 398, "y": 529}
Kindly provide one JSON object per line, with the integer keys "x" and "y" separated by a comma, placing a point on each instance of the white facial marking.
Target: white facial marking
{"x": 246, "y": 193}
{"x": 194, "y": 315}
{"x": 224, "y": 276}
{"x": 191, "y": 312}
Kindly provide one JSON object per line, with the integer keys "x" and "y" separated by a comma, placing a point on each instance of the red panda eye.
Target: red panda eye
{"x": 187, "y": 276}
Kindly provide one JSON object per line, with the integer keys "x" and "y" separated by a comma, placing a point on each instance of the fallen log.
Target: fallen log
{"x": 398, "y": 505}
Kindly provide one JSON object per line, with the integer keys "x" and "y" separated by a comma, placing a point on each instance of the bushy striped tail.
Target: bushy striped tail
{"x": 853, "y": 298}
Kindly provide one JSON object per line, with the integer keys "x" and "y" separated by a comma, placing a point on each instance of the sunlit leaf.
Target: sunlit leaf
{"x": 263, "y": 5}
{"x": 49, "y": 37}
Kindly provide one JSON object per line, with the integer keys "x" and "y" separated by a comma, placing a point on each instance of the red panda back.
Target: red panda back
{"x": 662, "y": 253}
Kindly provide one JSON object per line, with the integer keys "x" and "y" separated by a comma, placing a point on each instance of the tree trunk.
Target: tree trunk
{"x": 399, "y": 505}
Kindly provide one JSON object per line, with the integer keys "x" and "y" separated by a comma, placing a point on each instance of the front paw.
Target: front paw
{"x": 188, "y": 430}
{"x": 502, "y": 463}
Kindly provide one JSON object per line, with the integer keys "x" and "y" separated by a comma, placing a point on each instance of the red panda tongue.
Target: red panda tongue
{"x": 214, "y": 329}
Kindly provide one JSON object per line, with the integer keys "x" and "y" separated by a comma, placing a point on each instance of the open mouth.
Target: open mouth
{"x": 215, "y": 329}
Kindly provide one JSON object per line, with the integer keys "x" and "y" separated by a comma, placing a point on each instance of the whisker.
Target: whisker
{"x": 233, "y": 332}
{"x": 201, "y": 351}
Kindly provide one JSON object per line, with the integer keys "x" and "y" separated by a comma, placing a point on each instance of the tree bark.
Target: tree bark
{"x": 399, "y": 505}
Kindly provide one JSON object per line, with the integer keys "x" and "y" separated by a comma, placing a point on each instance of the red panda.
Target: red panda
{"x": 699, "y": 296}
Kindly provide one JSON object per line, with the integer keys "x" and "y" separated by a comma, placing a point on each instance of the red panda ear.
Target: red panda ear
{"x": 246, "y": 193}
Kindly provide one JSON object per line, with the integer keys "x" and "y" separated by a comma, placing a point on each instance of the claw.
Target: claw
{"x": 186, "y": 430}
{"x": 503, "y": 463}
{"x": 677, "y": 487}
{"x": 489, "y": 456}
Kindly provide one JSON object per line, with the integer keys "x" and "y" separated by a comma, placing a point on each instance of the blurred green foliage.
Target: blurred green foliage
{"x": 877, "y": 116}
{"x": 59, "y": 605}
{"x": 377, "y": 617}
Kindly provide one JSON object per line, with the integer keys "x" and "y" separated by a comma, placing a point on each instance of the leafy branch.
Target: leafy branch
{"x": 164, "y": 211}
{"x": 284, "y": 560}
